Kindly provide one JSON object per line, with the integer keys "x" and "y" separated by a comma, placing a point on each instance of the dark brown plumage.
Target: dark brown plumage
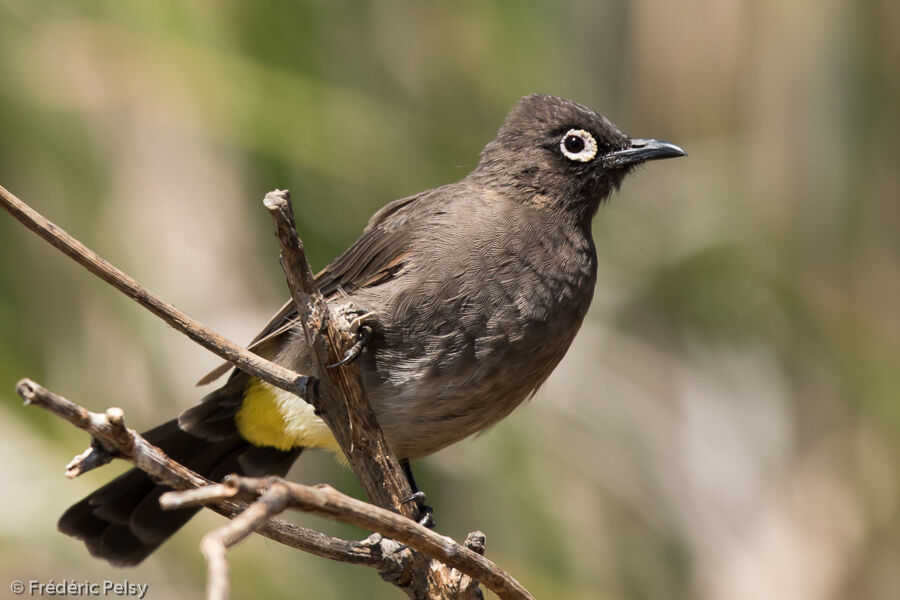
{"x": 477, "y": 289}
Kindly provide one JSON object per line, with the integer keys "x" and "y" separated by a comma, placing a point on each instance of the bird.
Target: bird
{"x": 473, "y": 293}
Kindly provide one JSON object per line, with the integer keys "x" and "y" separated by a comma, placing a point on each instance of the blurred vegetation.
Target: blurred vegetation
{"x": 727, "y": 424}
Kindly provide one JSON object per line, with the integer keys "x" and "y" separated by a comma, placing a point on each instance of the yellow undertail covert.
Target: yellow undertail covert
{"x": 270, "y": 416}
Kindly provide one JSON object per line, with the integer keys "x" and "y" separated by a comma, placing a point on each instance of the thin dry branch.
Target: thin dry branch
{"x": 95, "y": 456}
{"x": 215, "y": 543}
{"x": 352, "y": 421}
{"x": 206, "y": 337}
{"x": 328, "y": 502}
{"x": 109, "y": 431}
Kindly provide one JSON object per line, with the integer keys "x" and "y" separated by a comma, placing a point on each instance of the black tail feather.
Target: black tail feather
{"x": 122, "y": 521}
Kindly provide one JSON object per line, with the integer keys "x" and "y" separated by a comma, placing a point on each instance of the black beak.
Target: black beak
{"x": 639, "y": 151}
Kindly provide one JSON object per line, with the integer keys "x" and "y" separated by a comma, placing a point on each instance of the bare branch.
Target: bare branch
{"x": 128, "y": 444}
{"x": 95, "y": 456}
{"x": 311, "y": 305}
{"x": 201, "y": 496}
{"x": 110, "y": 431}
{"x": 391, "y": 559}
{"x": 384, "y": 481}
{"x": 206, "y": 337}
{"x": 214, "y": 544}
{"x": 352, "y": 421}
{"x": 326, "y": 501}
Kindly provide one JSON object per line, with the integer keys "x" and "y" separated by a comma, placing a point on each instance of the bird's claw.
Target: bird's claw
{"x": 363, "y": 335}
{"x": 356, "y": 321}
{"x": 426, "y": 513}
{"x": 417, "y": 497}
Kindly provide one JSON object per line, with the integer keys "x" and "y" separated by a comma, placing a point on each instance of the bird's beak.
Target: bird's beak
{"x": 639, "y": 151}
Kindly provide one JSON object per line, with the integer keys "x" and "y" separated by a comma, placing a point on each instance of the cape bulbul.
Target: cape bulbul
{"x": 477, "y": 288}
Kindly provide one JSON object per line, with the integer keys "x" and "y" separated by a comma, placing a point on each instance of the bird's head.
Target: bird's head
{"x": 562, "y": 156}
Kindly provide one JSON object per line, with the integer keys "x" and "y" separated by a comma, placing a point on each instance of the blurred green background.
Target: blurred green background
{"x": 726, "y": 425}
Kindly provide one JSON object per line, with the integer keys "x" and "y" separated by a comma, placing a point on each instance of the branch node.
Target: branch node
{"x": 116, "y": 417}
{"x": 277, "y": 199}
{"x": 476, "y": 541}
{"x": 96, "y": 455}
{"x": 25, "y": 390}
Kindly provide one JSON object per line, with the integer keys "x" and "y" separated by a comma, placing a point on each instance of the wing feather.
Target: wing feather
{"x": 378, "y": 254}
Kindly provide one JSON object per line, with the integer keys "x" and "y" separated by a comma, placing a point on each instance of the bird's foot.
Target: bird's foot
{"x": 357, "y": 322}
{"x": 426, "y": 513}
{"x": 354, "y": 316}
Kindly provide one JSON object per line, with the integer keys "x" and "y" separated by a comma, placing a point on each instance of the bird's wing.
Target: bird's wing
{"x": 374, "y": 258}
{"x": 278, "y": 324}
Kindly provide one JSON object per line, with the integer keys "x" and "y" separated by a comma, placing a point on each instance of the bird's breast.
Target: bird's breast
{"x": 466, "y": 340}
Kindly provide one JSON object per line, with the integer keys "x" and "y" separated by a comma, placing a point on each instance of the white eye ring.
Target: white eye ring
{"x": 578, "y": 145}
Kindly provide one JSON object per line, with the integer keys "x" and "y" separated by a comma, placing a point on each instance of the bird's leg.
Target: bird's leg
{"x": 426, "y": 513}
{"x": 356, "y": 318}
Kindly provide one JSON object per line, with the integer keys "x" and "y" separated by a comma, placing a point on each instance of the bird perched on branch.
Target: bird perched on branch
{"x": 475, "y": 291}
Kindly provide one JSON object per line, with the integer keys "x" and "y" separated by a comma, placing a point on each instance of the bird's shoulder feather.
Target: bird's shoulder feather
{"x": 374, "y": 258}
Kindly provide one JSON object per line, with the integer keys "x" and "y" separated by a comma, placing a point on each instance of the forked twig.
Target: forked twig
{"x": 206, "y": 337}
{"x": 275, "y": 494}
{"x": 131, "y": 446}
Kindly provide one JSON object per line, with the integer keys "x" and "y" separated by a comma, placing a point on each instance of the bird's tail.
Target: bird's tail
{"x": 122, "y": 522}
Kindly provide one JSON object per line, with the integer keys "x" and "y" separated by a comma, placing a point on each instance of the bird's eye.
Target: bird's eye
{"x": 578, "y": 145}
